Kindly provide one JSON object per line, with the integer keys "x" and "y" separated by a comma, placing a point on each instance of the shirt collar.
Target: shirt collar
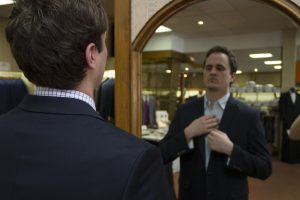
{"x": 222, "y": 101}
{"x": 74, "y": 94}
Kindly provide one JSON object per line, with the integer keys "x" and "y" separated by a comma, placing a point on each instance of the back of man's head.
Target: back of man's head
{"x": 48, "y": 39}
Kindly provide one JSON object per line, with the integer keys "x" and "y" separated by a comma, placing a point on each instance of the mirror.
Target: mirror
{"x": 172, "y": 62}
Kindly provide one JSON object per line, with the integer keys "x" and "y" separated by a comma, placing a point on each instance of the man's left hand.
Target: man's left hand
{"x": 219, "y": 141}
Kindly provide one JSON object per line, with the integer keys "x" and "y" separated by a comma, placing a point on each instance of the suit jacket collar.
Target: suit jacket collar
{"x": 228, "y": 114}
{"x": 57, "y": 105}
{"x": 199, "y": 141}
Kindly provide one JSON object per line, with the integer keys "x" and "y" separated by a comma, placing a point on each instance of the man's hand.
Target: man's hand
{"x": 201, "y": 126}
{"x": 219, "y": 142}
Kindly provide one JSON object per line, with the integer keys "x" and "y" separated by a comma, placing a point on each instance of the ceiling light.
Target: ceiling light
{"x": 6, "y": 2}
{"x": 200, "y": 22}
{"x": 186, "y": 69}
{"x": 256, "y": 70}
{"x": 162, "y": 29}
{"x": 261, "y": 55}
{"x": 273, "y": 62}
{"x": 277, "y": 67}
{"x": 239, "y": 72}
{"x": 168, "y": 71}
{"x": 192, "y": 58}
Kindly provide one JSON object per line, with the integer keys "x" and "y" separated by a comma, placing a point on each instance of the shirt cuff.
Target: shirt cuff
{"x": 191, "y": 144}
{"x": 228, "y": 161}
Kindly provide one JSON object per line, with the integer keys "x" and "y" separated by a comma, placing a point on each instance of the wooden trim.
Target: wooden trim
{"x": 136, "y": 94}
{"x": 163, "y": 55}
{"x": 297, "y": 78}
{"x": 286, "y": 6}
{"x": 122, "y": 65}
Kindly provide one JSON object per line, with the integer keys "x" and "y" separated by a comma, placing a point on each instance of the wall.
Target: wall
{"x": 5, "y": 54}
{"x": 141, "y": 12}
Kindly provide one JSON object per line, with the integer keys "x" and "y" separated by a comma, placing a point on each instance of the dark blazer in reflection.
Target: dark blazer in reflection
{"x": 221, "y": 181}
{"x": 288, "y": 110}
{"x": 59, "y": 148}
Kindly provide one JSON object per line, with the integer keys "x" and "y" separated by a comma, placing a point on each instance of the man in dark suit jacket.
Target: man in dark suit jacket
{"x": 220, "y": 140}
{"x": 54, "y": 145}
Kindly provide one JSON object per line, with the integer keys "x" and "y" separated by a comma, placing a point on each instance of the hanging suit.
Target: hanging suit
{"x": 289, "y": 111}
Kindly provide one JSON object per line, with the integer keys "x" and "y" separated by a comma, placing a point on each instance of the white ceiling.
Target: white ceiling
{"x": 228, "y": 17}
{"x": 224, "y": 19}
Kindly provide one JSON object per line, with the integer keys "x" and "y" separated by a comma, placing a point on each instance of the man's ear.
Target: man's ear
{"x": 90, "y": 55}
{"x": 232, "y": 77}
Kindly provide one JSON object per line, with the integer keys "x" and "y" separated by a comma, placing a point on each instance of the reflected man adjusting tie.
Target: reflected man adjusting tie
{"x": 218, "y": 146}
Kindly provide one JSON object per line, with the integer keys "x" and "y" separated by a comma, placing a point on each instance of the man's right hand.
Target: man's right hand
{"x": 200, "y": 126}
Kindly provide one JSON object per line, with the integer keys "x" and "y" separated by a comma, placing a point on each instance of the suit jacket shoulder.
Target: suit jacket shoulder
{"x": 62, "y": 149}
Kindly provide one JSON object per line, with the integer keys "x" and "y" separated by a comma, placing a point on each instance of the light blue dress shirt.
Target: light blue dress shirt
{"x": 216, "y": 109}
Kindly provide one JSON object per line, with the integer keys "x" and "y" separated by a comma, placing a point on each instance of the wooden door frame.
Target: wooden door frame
{"x": 128, "y": 101}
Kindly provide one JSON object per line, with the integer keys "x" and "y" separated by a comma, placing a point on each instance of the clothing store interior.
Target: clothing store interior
{"x": 266, "y": 42}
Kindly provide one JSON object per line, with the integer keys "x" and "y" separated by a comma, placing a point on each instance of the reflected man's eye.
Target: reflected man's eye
{"x": 220, "y": 68}
{"x": 208, "y": 67}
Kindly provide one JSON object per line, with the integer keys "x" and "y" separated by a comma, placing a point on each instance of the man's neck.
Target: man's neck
{"x": 85, "y": 89}
{"x": 215, "y": 95}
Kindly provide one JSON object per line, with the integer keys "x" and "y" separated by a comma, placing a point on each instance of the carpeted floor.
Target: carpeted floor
{"x": 283, "y": 184}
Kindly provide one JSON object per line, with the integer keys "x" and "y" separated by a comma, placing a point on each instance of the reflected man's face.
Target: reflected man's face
{"x": 217, "y": 72}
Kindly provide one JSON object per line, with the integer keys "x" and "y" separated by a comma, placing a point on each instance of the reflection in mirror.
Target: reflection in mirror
{"x": 172, "y": 71}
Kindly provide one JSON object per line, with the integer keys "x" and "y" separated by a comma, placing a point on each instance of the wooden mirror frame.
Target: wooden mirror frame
{"x": 128, "y": 77}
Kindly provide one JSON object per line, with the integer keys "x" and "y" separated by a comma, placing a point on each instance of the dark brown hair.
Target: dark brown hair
{"x": 230, "y": 55}
{"x": 48, "y": 39}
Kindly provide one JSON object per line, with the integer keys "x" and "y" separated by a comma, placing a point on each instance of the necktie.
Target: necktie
{"x": 210, "y": 111}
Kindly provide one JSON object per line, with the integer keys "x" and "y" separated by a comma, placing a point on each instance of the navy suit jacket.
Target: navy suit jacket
{"x": 222, "y": 180}
{"x": 288, "y": 110}
{"x": 60, "y": 148}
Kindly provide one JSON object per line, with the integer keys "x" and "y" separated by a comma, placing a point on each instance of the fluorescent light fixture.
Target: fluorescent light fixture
{"x": 277, "y": 67}
{"x": 273, "y": 62}
{"x": 6, "y": 2}
{"x": 261, "y": 55}
{"x": 255, "y": 69}
{"x": 163, "y": 29}
{"x": 200, "y": 22}
{"x": 187, "y": 69}
{"x": 168, "y": 71}
{"x": 239, "y": 72}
